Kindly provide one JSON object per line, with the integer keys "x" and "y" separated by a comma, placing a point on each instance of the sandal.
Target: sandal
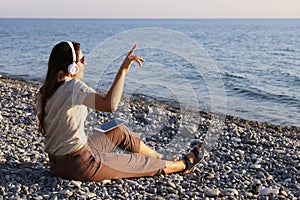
{"x": 198, "y": 152}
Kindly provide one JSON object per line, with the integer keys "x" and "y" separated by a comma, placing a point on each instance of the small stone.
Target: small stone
{"x": 267, "y": 191}
{"x": 170, "y": 183}
{"x": 46, "y": 196}
{"x": 294, "y": 186}
{"x": 212, "y": 192}
{"x": 288, "y": 180}
{"x": 231, "y": 190}
{"x": 261, "y": 175}
{"x": 77, "y": 184}
{"x": 91, "y": 195}
{"x": 240, "y": 152}
{"x": 256, "y": 182}
{"x": 148, "y": 109}
{"x": 83, "y": 196}
{"x": 254, "y": 156}
{"x": 297, "y": 194}
{"x": 37, "y": 198}
{"x": 209, "y": 176}
{"x": 54, "y": 198}
{"x": 66, "y": 192}
{"x": 212, "y": 164}
{"x": 280, "y": 151}
{"x": 185, "y": 185}
{"x": 248, "y": 194}
{"x": 235, "y": 139}
{"x": 140, "y": 115}
{"x": 104, "y": 182}
{"x": 284, "y": 193}
{"x": 255, "y": 166}
{"x": 2, "y": 191}
{"x": 153, "y": 190}
{"x": 7, "y": 177}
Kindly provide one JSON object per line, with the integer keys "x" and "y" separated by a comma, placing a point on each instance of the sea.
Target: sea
{"x": 249, "y": 68}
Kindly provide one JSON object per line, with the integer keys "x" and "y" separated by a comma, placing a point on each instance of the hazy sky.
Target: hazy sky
{"x": 150, "y": 8}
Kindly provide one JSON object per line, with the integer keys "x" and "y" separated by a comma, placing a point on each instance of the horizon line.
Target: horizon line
{"x": 179, "y": 18}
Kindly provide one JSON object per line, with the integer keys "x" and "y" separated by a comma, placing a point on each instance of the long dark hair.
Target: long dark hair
{"x": 59, "y": 60}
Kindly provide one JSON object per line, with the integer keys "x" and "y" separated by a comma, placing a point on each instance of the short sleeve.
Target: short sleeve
{"x": 80, "y": 91}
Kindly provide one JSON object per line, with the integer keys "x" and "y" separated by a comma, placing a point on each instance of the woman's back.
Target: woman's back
{"x": 65, "y": 116}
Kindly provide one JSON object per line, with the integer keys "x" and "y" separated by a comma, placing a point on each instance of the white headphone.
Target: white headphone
{"x": 73, "y": 67}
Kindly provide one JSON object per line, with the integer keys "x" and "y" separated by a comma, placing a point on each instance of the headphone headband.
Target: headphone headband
{"x": 73, "y": 51}
{"x": 73, "y": 68}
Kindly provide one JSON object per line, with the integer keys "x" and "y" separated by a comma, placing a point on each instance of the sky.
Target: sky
{"x": 149, "y": 8}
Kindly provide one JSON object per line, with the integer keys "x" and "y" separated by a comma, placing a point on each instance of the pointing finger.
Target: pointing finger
{"x": 132, "y": 50}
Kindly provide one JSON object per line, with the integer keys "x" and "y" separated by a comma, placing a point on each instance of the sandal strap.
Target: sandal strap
{"x": 196, "y": 152}
{"x": 188, "y": 163}
{"x": 198, "y": 157}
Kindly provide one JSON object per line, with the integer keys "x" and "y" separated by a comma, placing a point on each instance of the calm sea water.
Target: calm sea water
{"x": 256, "y": 62}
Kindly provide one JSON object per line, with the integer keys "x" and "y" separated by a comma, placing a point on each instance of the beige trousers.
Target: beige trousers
{"x": 95, "y": 161}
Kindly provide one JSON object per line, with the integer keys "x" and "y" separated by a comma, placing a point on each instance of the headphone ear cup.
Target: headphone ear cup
{"x": 73, "y": 69}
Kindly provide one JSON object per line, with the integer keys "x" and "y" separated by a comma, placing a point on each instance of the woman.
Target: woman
{"x": 62, "y": 105}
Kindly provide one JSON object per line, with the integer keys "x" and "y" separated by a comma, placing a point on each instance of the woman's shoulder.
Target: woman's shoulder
{"x": 71, "y": 82}
{"x": 77, "y": 85}
{"x": 81, "y": 85}
{"x": 79, "y": 82}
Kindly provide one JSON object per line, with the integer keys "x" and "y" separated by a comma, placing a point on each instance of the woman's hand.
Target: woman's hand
{"x": 130, "y": 58}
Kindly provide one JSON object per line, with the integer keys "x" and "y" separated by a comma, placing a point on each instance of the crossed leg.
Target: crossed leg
{"x": 143, "y": 162}
{"x": 123, "y": 138}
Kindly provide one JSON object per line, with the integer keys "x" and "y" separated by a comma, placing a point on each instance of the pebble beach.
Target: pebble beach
{"x": 251, "y": 160}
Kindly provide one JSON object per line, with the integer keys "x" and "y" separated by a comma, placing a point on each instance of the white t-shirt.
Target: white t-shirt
{"x": 64, "y": 117}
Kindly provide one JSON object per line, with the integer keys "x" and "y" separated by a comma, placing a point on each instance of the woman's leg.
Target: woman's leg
{"x": 116, "y": 166}
{"x": 147, "y": 151}
{"x": 120, "y": 136}
{"x": 123, "y": 138}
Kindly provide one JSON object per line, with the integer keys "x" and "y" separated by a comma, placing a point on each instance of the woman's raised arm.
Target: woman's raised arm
{"x": 110, "y": 102}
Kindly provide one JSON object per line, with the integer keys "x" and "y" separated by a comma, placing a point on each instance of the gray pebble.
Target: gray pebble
{"x": 267, "y": 191}
{"x": 235, "y": 139}
{"x": 212, "y": 192}
{"x": 171, "y": 184}
{"x": 77, "y": 184}
{"x": 209, "y": 176}
{"x": 230, "y": 190}
{"x": 255, "y": 166}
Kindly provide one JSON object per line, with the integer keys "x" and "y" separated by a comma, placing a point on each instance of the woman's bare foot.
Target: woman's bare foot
{"x": 187, "y": 164}
{"x": 192, "y": 159}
